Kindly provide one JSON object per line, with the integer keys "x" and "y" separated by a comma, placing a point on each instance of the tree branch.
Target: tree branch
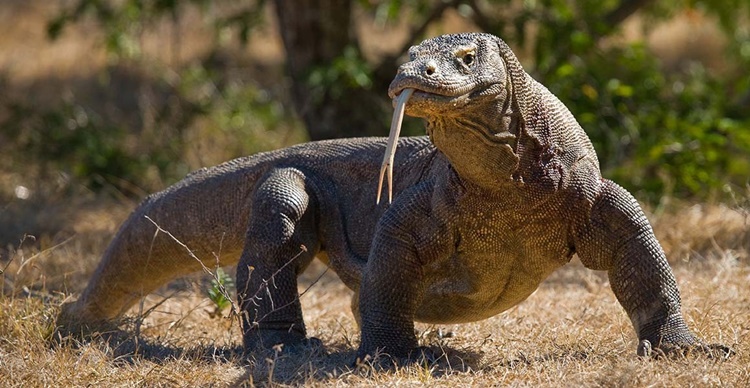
{"x": 386, "y": 68}
{"x": 623, "y": 11}
{"x": 434, "y": 14}
{"x": 482, "y": 20}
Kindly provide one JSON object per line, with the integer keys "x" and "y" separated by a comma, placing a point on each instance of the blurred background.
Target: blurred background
{"x": 105, "y": 101}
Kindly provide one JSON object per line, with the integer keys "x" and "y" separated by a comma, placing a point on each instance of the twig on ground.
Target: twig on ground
{"x": 203, "y": 266}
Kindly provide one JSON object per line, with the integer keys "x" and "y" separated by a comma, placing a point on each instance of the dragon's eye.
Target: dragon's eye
{"x": 468, "y": 59}
{"x": 466, "y": 55}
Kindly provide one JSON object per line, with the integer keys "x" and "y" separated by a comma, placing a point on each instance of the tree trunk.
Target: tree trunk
{"x": 315, "y": 33}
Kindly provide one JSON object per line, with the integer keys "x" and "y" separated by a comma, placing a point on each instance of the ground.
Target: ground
{"x": 569, "y": 332}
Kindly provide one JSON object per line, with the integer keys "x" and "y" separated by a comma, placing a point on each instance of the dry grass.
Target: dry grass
{"x": 570, "y": 332}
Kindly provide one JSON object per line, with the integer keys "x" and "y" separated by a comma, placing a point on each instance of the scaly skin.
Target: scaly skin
{"x": 506, "y": 190}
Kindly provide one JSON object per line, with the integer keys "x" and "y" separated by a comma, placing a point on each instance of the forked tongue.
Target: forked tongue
{"x": 390, "y": 149}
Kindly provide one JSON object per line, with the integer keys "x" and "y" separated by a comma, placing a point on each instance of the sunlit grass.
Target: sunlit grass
{"x": 570, "y": 332}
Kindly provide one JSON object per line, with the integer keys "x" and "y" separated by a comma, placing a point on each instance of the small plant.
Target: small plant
{"x": 219, "y": 292}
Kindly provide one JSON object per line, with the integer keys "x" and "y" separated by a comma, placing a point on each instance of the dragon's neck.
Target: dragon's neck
{"x": 480, "y": 144}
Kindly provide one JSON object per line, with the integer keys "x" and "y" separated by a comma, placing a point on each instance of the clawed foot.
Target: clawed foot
{"x": 718, "y": 351}
{"x": 73, "y": 322}
{"x": 385, "y": 361}
{"x": 311, "y": 344}
{"x": 301, "y": 345}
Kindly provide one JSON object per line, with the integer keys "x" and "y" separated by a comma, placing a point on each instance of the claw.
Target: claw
{"x": 644, "y": 349}
{"x": 390, "y": 149}
{"x": 718, "y": 351}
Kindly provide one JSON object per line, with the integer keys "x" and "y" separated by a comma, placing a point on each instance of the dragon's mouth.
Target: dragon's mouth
{"x": 426, "y": 96}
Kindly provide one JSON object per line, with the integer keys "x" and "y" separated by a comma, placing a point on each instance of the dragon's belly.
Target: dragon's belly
{"x": 482, "y": 279}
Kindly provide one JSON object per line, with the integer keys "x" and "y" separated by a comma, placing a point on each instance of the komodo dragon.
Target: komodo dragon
{"x": 503, "y": 191}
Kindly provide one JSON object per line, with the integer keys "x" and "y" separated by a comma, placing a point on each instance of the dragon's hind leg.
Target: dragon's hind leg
{"x": 281, "y": 240}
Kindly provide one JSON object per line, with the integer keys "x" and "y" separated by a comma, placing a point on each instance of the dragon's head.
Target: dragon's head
{"x": 450, "y": 73}
{"x": 473, "y": 92}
